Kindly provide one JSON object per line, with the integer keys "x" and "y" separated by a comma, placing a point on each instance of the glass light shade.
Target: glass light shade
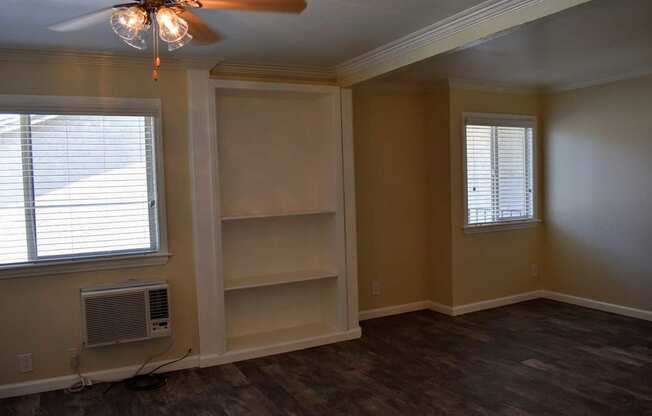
{"x": 181, "y": 42}
{"x": 128, "y": 22}
{"x": 137, "y": 42}
{"x": 172, "y": 28}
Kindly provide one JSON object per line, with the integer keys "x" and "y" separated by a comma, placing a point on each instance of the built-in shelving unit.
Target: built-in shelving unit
{"x": 273, "y": 216}
{"x": 280, "y": 239}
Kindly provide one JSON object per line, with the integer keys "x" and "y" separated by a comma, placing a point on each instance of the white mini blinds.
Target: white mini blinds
{"x": 76, "y": 186}
{"x": 499, "y": 159}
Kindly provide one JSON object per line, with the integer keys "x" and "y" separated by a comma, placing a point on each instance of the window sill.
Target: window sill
{"x": 84, "y": 265}
{"x": 503, "y": 226}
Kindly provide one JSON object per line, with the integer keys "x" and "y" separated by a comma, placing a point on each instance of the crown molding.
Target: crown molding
{"x": 640, "y": 72}
{"x": 115, "y": 60}
{"x": 218, "y": 67}
{"x": 470, "y": 25}
{"x": 391, "y": 87}
{"x": 492, "y": 87}
{"x": 273, "y": 72}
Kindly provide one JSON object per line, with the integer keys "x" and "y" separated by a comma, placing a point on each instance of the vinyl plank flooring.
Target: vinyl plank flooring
{"x": 534, "y": 358}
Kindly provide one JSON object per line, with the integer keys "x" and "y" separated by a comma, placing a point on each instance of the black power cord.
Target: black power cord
{"x": 171, "y": 362}
{"x": 149, "y": 381}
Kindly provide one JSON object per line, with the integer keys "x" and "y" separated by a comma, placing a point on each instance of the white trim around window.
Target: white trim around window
{"x": 101, "y": 106}
{"x": 502, "y": 120}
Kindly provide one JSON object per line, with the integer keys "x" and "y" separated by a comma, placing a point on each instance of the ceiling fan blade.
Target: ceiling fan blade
{"x": 86, "y": 20}
{"x": 281, "y": 6}
{"x": 201, "y": 33}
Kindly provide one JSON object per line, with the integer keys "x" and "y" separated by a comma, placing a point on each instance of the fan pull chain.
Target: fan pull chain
{"x": 157, "y": 59}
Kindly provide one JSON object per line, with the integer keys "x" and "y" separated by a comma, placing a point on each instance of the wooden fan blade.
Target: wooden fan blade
{"x": 86, "y": 20}
{"x": 199, "y": 30}
{"x": 281, "y": 6}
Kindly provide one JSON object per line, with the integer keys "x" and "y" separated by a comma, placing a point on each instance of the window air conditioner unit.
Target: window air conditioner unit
{"x": 125, "y": 312}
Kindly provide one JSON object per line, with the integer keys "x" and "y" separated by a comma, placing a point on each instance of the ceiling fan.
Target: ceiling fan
{"x": 170, "y": 20}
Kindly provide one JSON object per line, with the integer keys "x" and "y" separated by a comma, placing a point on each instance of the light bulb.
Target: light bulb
{"x": 128, "y": 22}
{"x": 172, "y": 28}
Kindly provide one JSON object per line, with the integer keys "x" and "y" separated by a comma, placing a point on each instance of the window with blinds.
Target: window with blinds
{"x": 76, "y": 186}
{"x": 499, "y": 170}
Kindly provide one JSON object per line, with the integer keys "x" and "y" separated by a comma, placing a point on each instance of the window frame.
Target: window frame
{"x": 102, "y": 106}
{"x": 509, "y": 120}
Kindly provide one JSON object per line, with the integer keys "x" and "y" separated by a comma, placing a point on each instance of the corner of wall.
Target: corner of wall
{"x": 438, "y": 160}
{"x": 392, "y": 181}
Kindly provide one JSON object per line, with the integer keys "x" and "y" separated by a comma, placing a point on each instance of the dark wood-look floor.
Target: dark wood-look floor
{"x": 534, "y": 358}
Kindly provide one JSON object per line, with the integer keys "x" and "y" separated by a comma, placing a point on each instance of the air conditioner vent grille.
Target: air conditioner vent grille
{"x": 117, "y": 317}
{"x": 158, "y": 304}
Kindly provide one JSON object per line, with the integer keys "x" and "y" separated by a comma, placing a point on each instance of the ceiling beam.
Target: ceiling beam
{"x": 468, "y": 26}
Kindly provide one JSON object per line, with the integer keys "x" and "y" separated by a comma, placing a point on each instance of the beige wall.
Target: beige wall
{"x": 391, "y": 165}
{"x": 598, "y": 193}
{"x": 408, "y": 144}
{"x": 41, "y": 314}
{"x": 492, "y": 264}
{"x": 439, "y": 189}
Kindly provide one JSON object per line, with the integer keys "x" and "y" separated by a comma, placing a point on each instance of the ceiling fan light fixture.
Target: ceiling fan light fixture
{"x": 171, "y": 21}
{"x": 128, "y": 22}
{"x": 172, "y": 28}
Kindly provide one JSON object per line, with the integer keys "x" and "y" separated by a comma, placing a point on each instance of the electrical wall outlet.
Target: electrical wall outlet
{"x": 376, "y": 287}
{"x": 534, "y": 270}
{"x": 25, "y": 362}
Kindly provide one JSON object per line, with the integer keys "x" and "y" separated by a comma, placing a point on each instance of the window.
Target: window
{"x": 77, "y": 187}
{"x": 499, "y": 157}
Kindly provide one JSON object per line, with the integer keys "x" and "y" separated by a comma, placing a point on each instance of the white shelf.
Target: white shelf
{"x": 276, "y": 337}
{"x": 250, "y": 282}
{"x": 277, "y": 215}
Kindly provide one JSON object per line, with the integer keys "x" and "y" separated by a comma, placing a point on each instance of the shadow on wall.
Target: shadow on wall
{"x": 581, "y": 265}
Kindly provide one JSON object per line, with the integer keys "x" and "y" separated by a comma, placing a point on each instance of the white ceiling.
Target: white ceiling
{"x": 327, "y": 33}
{"x": 598, "y": 41}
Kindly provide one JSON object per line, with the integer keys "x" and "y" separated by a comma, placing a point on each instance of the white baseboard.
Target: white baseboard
{"x": 395, "y": 310}
{"x": 280, "y": 348}
{"x": 504, "y": 301}
{"x": 36, "y": 386}
{"x": 441, "y": 308}
{"x": 58, "y": 383}
{"x": 547, "y": 294}
{"x": 495, "y": 303}
{"x": 596, "y": 304}
{"x": 449, "y": 310}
